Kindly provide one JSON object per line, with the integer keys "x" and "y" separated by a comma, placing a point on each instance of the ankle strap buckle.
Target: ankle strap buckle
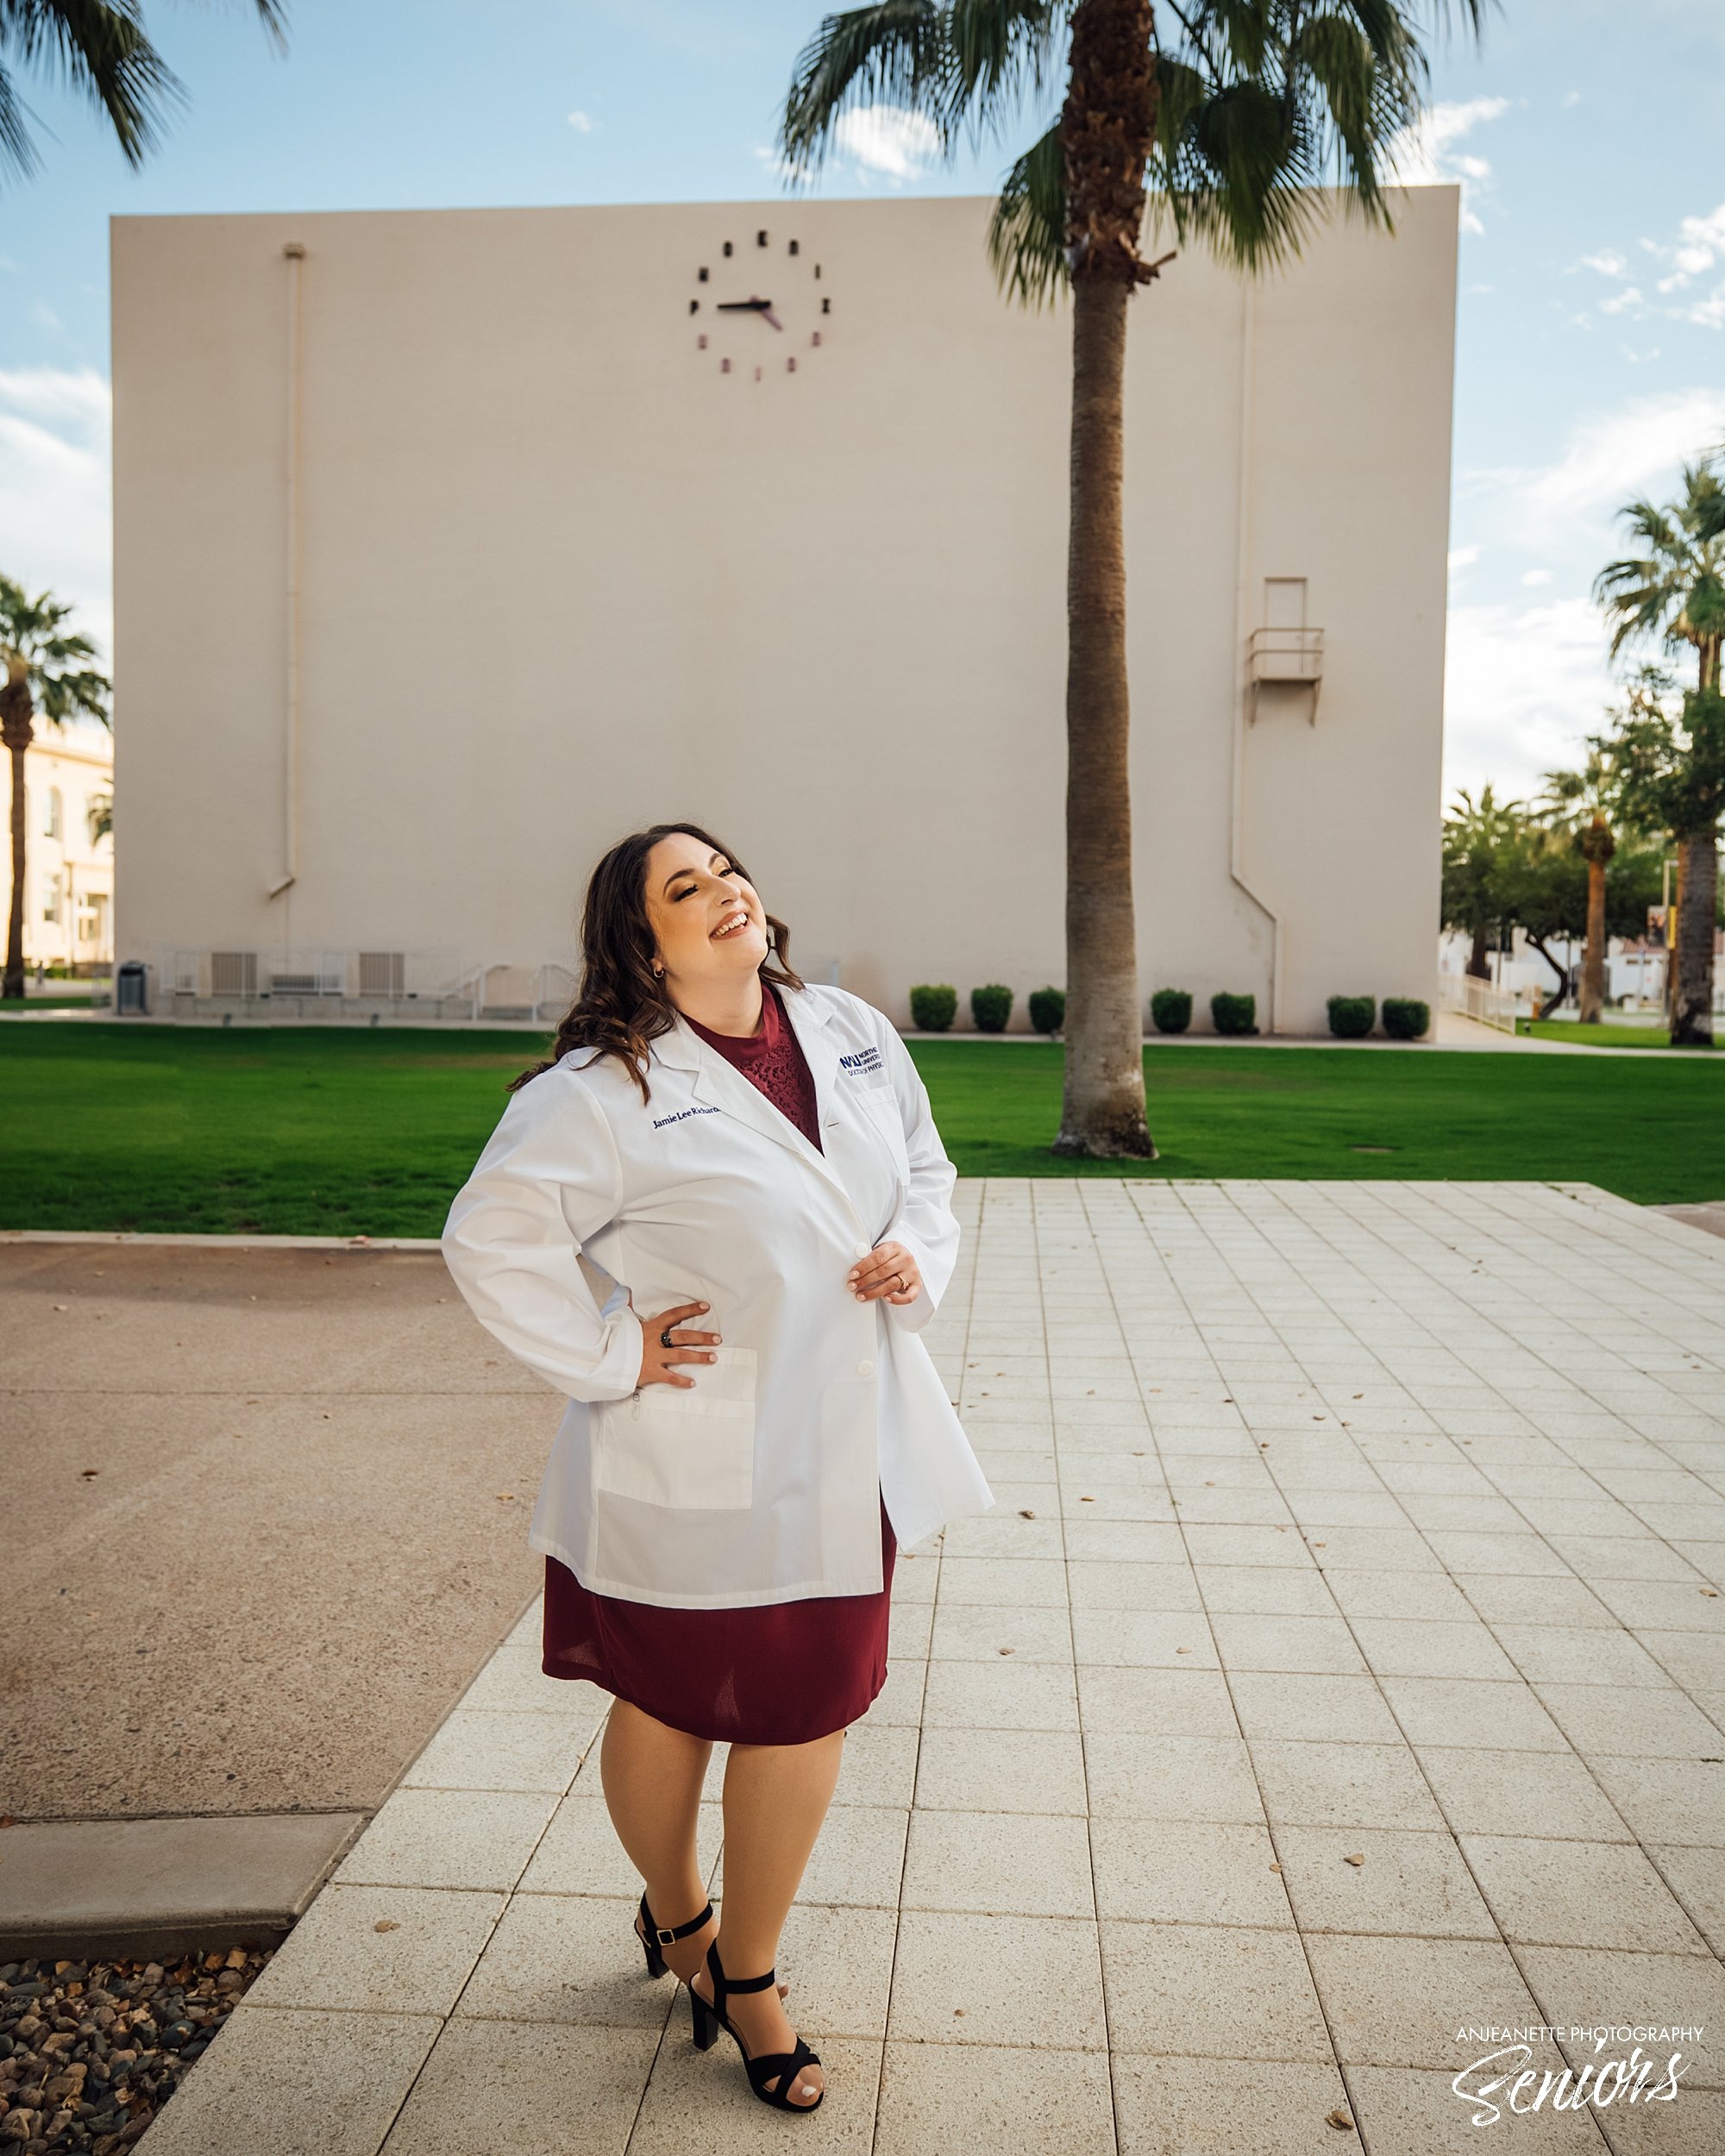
{"x": 665, "y": 1937}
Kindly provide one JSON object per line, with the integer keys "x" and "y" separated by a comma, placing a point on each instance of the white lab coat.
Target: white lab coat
{"x": 760, "y": 1484}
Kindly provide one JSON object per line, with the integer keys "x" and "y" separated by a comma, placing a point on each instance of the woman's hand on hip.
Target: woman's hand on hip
{"x": 889, "y": 1271}
{"x": 666, "y": 1341}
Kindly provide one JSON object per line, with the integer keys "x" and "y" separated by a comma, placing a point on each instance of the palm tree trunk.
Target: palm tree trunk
{"x": 1107, "y": 128}
{"x": 16, "y": 733}
{"x": 1478, "y": 961}
{"x": 1698, "y": 883}
{"x": 1592, "y": 996}
{"x": 1102, "y": 1113}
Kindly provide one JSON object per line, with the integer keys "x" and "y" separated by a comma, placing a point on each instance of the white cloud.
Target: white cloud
{"x": 1429, "y": 153}
{"x": 582, "y": 122}
{"x": 884, "y": 141}
{"x": 54, "y": 425}
{"x": 1524, "y": 686}
{"x": 1608, "y": 460}
{"x": 1463, "y": 558}
{"x": 1530, "y": 675}
{"x": 1697, "y": 253}
{"x": 1608, "y": 263}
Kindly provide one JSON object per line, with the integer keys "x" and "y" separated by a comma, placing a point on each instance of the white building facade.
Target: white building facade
{"x": 452, "y": 545}
{"x": 69, "y": 850}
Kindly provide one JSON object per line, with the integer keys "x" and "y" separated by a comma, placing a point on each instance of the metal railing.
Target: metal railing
{"x": 1481, "y": 1000}
{"x": 1285, "y": 655}
{"x": 305, "y": 983}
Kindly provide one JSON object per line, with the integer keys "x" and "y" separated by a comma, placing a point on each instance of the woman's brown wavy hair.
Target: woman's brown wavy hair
{"x": 622, "y": 1006}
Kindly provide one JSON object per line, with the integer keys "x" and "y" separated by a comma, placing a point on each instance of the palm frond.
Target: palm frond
{"x": 963, "y": 65}
{"x": 1027, "y": 232}
{"x": 98, "y": 50}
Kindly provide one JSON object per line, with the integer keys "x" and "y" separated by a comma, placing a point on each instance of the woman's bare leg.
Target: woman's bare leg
{"x": 775, "y": 1797}
{"x": 652, "y": 1775}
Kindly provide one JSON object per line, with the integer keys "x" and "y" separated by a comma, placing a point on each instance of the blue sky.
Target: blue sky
{"x": 1589, "y": 135}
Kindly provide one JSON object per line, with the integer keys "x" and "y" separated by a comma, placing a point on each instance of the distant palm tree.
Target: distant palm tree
{"x": 1231, "y": 112}
{"x": 46, "y": 674}
{"x": 1479, "y": 839}
{"x": 1674, "y": 589}
{"x": 1580, "y": 803}
{"x": 102, "y": 52}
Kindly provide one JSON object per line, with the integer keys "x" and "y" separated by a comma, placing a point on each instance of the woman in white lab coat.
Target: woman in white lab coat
{"x": 718, "y": 1219}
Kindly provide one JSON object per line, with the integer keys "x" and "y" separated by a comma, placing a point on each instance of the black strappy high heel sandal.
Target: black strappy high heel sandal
{"x": 785, "y": 2066}
{"x": 653, "y": 1937}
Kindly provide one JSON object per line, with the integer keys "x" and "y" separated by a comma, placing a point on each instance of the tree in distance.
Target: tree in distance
{"x": 47, "y": 673}
{"x": 1671, "y": 767}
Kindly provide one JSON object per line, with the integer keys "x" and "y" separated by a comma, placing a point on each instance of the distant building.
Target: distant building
{"x": 69, "y": 869}
{"x": 451, "y": 545}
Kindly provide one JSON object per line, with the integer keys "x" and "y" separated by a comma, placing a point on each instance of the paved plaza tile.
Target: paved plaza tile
{"x": 1341, "y": 1673}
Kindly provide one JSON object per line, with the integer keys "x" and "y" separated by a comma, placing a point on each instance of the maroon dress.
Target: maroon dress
{"x": 779, "y": 1673}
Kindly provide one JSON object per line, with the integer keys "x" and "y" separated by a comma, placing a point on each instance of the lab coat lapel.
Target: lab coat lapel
{"x": 720, "y": 1086}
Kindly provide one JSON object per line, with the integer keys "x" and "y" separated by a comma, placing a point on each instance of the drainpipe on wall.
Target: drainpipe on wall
{"x": 294, "y": 254}
{"x": 1242, "y": 634}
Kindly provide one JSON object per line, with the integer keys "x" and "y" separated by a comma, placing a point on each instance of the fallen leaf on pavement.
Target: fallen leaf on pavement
{"x": 385, "y": 1924}
{"x": 1339, "y": 2119}
{"x": 1355, "y": 1861}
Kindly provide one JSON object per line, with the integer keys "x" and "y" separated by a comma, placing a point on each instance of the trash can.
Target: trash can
{"x": 132, "y": 989}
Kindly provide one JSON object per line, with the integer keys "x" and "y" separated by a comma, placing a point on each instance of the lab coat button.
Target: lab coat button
{"x": 861, "y": 1250}
{"x": 865, "y": 1368}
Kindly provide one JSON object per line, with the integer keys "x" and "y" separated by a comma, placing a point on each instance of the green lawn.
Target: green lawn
{"x": 309, "y": 1130}
{"x": 1574, "y": 1036}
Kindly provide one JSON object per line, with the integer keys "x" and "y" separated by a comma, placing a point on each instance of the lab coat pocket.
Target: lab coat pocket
{"x": 690, "y": 1451}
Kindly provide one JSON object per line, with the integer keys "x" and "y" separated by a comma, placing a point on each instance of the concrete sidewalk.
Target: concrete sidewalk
{"x": 264, "y": 1509}
{"x": 1341, "y": 1672}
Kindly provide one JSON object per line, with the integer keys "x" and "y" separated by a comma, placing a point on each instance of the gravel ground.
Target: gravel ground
{"x": 91, "y": 2052}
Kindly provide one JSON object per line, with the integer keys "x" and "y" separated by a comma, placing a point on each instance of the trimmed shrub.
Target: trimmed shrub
{"x": 991, "y": 1007}
{"x": 1351, "y": 1017}
{"x": 1234, "y": 1014}
{"x": 1171, "y": 1010}
{"x": 932, "y": 1010}
{"x": 1406, "y": 1018}
{"x": 1047, "y": 1008}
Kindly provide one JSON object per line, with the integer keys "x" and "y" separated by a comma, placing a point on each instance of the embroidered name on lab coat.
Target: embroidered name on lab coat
{"x": 683, "y": 1114}
{"x": 864, "y": 1060}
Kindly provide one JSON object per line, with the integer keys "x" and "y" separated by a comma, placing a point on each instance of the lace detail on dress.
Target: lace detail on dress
{"x": 773, "y": 1063}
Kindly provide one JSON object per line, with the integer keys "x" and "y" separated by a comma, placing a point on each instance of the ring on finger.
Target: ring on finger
{"x": 664, "y": 1340}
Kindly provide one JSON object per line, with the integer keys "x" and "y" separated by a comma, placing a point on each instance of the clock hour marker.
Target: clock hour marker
{"x": 826, "y": 306}
{"x": 794, "y": 248}
{"x": 727, "y": 250}
{"x": 725, "y": 366}
{"x": 694, "y": 306}
{"x": 700, "y": 344}
{"x": 700, "y": 274}
{"x": 760, "y": 239}
{"x": 790, "y": 367}
{"x": 815, "y": 339}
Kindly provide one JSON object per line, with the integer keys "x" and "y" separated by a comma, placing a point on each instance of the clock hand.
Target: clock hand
{"x": 747, "y": 307}
{"x": 766, "y": 315}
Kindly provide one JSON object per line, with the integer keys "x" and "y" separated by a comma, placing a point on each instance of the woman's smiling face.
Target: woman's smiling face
{"x": 708, "y": 919}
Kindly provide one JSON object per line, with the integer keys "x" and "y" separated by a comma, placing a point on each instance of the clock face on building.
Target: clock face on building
{"x": 760, "y": 310}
